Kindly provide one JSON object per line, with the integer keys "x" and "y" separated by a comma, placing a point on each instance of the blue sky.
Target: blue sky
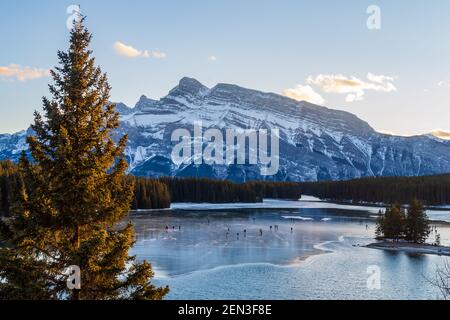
{"x": 396, "y": 78}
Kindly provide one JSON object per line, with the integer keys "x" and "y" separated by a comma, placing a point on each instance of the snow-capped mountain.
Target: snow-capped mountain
{"x": 316, "y": 143}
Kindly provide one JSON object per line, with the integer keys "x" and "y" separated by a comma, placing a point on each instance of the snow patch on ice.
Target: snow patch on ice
{"x": 298, "y": 218}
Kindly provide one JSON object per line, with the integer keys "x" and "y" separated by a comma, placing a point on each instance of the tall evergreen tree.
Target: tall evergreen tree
{"x": 75, "y": 195}
{"x": 417, "y": 226}
{"x": 391, "y": 225}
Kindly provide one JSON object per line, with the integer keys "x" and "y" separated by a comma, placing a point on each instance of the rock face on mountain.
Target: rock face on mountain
{"x": 316, "y": 143}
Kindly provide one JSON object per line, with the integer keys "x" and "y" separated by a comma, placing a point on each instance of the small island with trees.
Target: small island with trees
{"x": 407, "y": 231}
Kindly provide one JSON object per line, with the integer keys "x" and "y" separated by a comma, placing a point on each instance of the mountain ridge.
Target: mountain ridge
{"x": 316, "y": 142}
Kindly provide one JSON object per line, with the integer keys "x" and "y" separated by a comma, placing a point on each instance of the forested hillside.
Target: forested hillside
{"x": 159, "y": 193}
{"x": 431, "y": 190}
{"x": 150, "y": 194}
{"x": 222, "y": 191}
{"x": 10, "y": 181}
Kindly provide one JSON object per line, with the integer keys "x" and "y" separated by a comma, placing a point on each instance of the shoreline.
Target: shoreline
{"x": 413, "y": 248}
{"x": 306, "y": 202}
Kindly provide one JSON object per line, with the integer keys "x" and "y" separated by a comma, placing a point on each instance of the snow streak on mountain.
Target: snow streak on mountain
{"x": 316, "y": 143}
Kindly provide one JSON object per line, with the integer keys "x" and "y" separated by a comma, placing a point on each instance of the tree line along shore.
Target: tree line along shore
{"x": 159, "y": 193}
{"x": 430, "y": 190}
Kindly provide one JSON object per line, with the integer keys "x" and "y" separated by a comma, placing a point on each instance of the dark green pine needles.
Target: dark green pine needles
{"x": 75, "y": 195}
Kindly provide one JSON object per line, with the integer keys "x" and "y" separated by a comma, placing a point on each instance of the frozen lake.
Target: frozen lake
{"x": 311, "y": 252}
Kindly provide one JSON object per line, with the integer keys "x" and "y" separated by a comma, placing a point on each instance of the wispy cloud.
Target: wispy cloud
{"x": 353, "y": 87}
{"x": 131, "y": 52}
{"x": 444, "y": 84}
{"x": 18, "y": 72}
{"x": 304, "y": 93}
{"x": 155, "y": 54}
{"x": 212, "y": 58}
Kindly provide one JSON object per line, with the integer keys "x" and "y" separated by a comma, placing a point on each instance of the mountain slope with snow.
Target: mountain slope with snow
{"x": 316, "y": 143}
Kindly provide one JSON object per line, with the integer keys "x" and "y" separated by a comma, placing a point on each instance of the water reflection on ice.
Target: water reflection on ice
{"x": 218, "y": 253}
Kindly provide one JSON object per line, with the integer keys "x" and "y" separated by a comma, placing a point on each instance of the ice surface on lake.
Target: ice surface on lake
{"x": 207, "y": 239}
{"x": 307, "y": 202}
{"x": 234, "y": 254}
{"x": 341, "y": 274}
{"x": 297, "y": 218}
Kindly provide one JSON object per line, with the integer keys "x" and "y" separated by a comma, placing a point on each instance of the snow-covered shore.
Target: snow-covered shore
{"x": 411, "y": 248}
{"x": 305, "y": 202}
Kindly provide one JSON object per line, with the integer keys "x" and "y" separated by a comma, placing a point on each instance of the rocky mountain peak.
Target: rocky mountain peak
{"x": 144, "y": 103}
{"x": 191, "y": 87}
{"x": 316, "y": 143}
